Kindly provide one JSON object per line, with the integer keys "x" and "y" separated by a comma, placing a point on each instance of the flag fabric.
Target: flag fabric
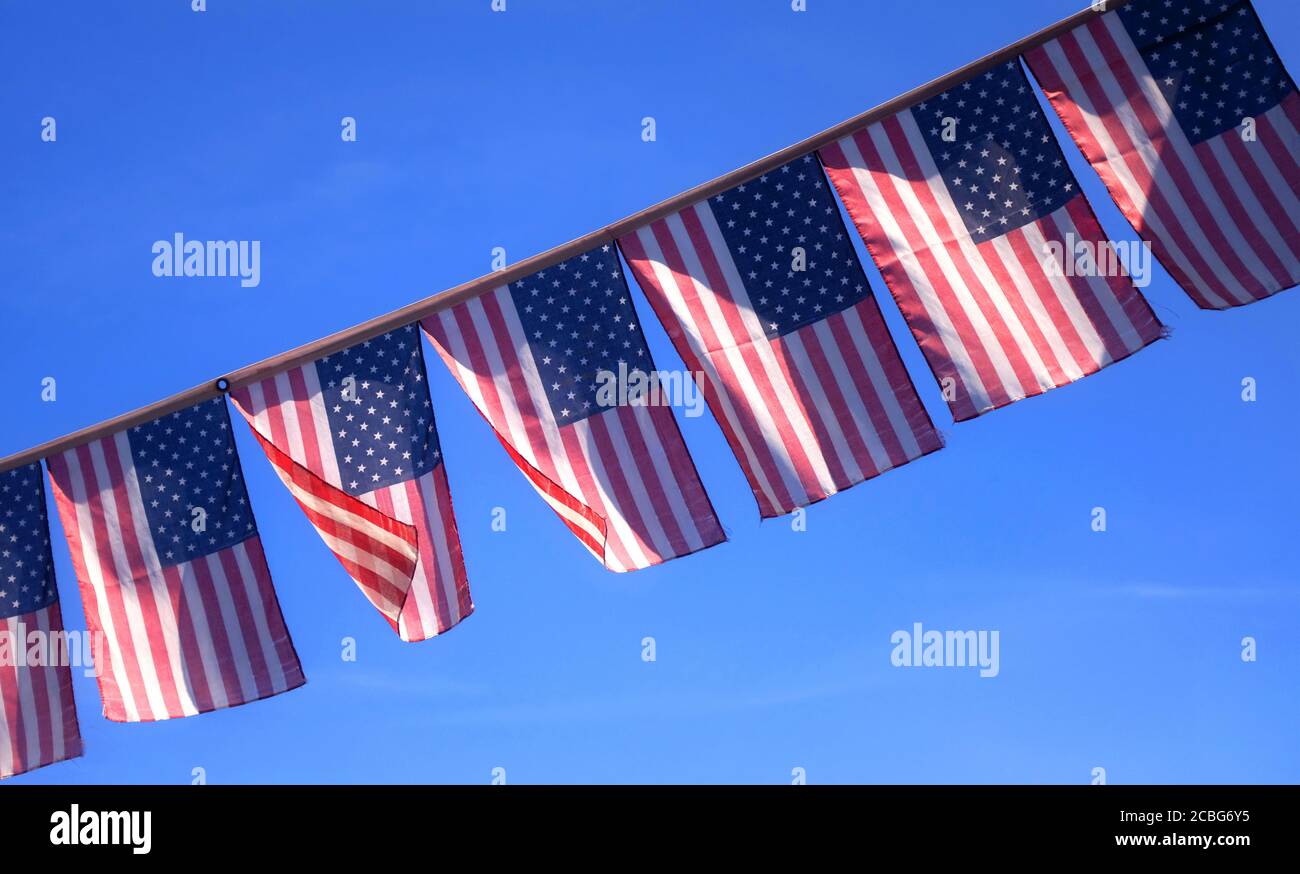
{"x": 171, "y": 568}
{"x": 38, "y": 717}
{"x": 534, "y": 357}
{"x": 353, "y": 437}
{"x": 968, "y": 208}
{"x": 1188, "y": 115}
{"x": 763, "y": 296}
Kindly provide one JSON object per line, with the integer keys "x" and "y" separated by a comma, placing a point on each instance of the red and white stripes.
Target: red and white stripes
{"x": 38, "y": 717}
{"x": 1223, "y": 216}
{"x": 621, "y": 479}
{"x": 177, "y": 640}
{"x": 808, "y": 413}
{"x": 996, "y": 320}
{"x": 399, "y": 543}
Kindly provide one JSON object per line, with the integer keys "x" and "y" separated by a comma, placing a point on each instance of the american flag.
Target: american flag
{"x": 960, "y": 228}
{"x": 172, "y": 573}
{"x": 1160, "y": 96}
{"x": 353, "y": 437}
{"x": 530, "y": 356}
{"x": 763, "y": 296}
{"x": 38, "y": 717}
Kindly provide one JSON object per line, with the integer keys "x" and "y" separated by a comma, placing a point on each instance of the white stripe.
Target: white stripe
{"x": 667, "y": 283}
{"x": 926, "y": 292}
{"x": 85, "y": 531}
{"x": 261, "y": 621}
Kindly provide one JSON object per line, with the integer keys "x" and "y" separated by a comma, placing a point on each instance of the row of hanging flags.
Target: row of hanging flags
{"x": 796, "y": 365}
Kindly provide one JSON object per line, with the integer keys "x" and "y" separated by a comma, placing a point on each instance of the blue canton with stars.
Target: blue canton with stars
{"x": 764, "y": 221}
{"x": 380, "y": 414}
{"x": 184, "y": 461}
{"x": 579, "y": 320}
{"x": 1004, "y": 169}
{"x": 26, "y": 573}
{"x": 1212, "y": 60}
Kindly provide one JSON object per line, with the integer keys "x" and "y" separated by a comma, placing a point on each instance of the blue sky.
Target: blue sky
{"x": 476, "y": 129}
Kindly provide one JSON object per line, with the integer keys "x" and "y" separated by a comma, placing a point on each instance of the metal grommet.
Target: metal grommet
{"x": 223, "y": 385}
